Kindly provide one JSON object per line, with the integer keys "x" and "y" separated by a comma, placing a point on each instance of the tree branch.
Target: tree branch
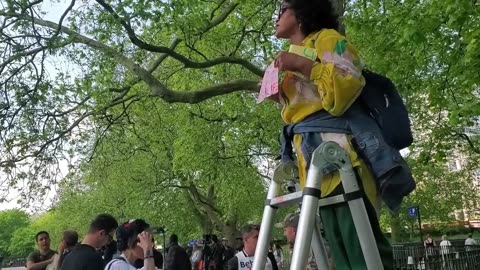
{"x": 188, "y": 63}
{"x": 469, "y": 141}
{"x": 221, "y": 18}
{"x": 158, "y": 88}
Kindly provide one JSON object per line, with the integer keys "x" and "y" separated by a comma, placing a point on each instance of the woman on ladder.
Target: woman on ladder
{"x": 319, "y": 90}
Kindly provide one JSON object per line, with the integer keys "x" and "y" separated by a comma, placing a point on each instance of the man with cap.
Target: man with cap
{"x": 228, "y": 253}
{"x": 290, "y": 225}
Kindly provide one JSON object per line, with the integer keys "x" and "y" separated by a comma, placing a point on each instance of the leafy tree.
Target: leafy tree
{"x": 22, "y": 242}
{"x": 11, "y": 221}
{"x": 178, "y": 167}
{"x": 110, "y": 42}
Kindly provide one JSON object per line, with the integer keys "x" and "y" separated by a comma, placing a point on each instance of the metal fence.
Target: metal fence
{"x": 437, "y": 258}
{"x": 416, "y": 257}
{"x": 13, "y": 263}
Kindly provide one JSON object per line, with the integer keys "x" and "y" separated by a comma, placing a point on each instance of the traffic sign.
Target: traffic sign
{"x": 412, "y": 211}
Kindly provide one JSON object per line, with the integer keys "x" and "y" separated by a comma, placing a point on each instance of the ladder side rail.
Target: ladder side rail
{"x": 282, "y": 172}
{"x": 318, "y": 247}
{"x": 359, "y": 213}
{"x": 309, "y": 209}
{"x": 266, "y": 227}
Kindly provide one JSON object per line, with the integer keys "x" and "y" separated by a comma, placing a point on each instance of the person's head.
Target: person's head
{"x": 304, "y": 16}
{"x": 289, "y": 225}
{"x": 102, "y": 229}
{"x": 470, "y": 235}
{"x": 225, "y": 241}
{"x": 127, "y": 237}
{"x": 250, "y": 238}
{"x": 42, "y": 239}
{"x": 444, "y": 237}
{"x": 174, "y": 239}
{"x": 70, "y": 237}
{"x": 214, "y": 239}
{"x": 238, "y": 244}
{"x": 428, "y": 236}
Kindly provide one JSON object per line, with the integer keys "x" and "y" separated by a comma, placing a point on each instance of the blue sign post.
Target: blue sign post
{"x": 414, "y": 211}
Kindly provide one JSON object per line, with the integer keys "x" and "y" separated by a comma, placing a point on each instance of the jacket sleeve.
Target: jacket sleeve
{"x": 337, "y": 72}
{"x": 170, "y": 258}
{"x": 233, "y": 263}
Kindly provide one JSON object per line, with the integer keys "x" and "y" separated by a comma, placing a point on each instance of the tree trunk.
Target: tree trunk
{"x": 207, "y": 213}
{"x": 396, "y": 227}
{"x": 230, "y": 232}
{"x": 203, "y": 220}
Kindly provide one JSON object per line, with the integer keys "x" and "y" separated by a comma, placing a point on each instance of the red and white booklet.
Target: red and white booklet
{"x": 269, "y": 83}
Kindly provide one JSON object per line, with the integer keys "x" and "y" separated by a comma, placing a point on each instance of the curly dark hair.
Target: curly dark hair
{"x": 314, "y": 15}
{"x": 127, "y": 233}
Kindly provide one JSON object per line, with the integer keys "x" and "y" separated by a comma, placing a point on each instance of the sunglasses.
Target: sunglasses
{"x": 282, "y": 10}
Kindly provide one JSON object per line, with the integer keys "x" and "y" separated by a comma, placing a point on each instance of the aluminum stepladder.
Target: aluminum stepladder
{"x": 328, "y": 157}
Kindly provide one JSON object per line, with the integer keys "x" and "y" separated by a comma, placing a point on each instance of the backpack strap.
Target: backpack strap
{"x": 119, "y": 258}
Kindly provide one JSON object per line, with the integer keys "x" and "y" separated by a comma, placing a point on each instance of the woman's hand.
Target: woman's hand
{"x": 286, "y": 61}
{"x": 146, "y": 243}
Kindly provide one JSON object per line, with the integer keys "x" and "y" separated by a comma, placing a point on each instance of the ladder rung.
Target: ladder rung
{"x": 331, "y": 200}
{"x": 286, "y": 200}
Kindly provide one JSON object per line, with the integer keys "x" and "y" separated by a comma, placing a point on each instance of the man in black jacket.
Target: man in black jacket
{"x": 85, "y": 256}
{"x": 176, "y": 258}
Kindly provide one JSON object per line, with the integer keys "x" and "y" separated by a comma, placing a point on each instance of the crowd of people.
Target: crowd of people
{"x": 110, "y": 246}
{"x": 445, "y": 246}
{"x": 106, "y": 245}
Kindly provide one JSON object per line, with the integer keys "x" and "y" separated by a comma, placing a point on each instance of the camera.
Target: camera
{"x": 158, "y": 230}
{"x": 207, "y": 239}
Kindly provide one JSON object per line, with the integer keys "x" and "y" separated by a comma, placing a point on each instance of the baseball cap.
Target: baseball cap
{"x": 290, "y": 220}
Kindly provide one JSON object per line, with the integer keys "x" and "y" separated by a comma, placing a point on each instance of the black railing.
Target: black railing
{"x": 413, "y": 256}
{"x": 13, "y": 263}
{"x": 437, "y": 258}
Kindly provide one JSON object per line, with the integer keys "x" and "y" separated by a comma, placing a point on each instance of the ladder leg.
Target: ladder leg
{"x": 365, "y": 234}
{"x": 357, "y": 207}
{"x": 306, "y": 224}
{"x": 269, "y": 212}
{"x": 318, "y": 247}
{"x": 283, "y": 171}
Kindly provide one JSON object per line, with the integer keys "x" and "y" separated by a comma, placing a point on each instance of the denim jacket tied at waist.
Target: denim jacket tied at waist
{"x": 392, "y": 174}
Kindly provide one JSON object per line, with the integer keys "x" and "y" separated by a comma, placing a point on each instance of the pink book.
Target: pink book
{"x": 269, "y": 83}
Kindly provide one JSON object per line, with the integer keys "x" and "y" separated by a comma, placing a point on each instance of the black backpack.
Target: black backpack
{"x": 383, "y": 103}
